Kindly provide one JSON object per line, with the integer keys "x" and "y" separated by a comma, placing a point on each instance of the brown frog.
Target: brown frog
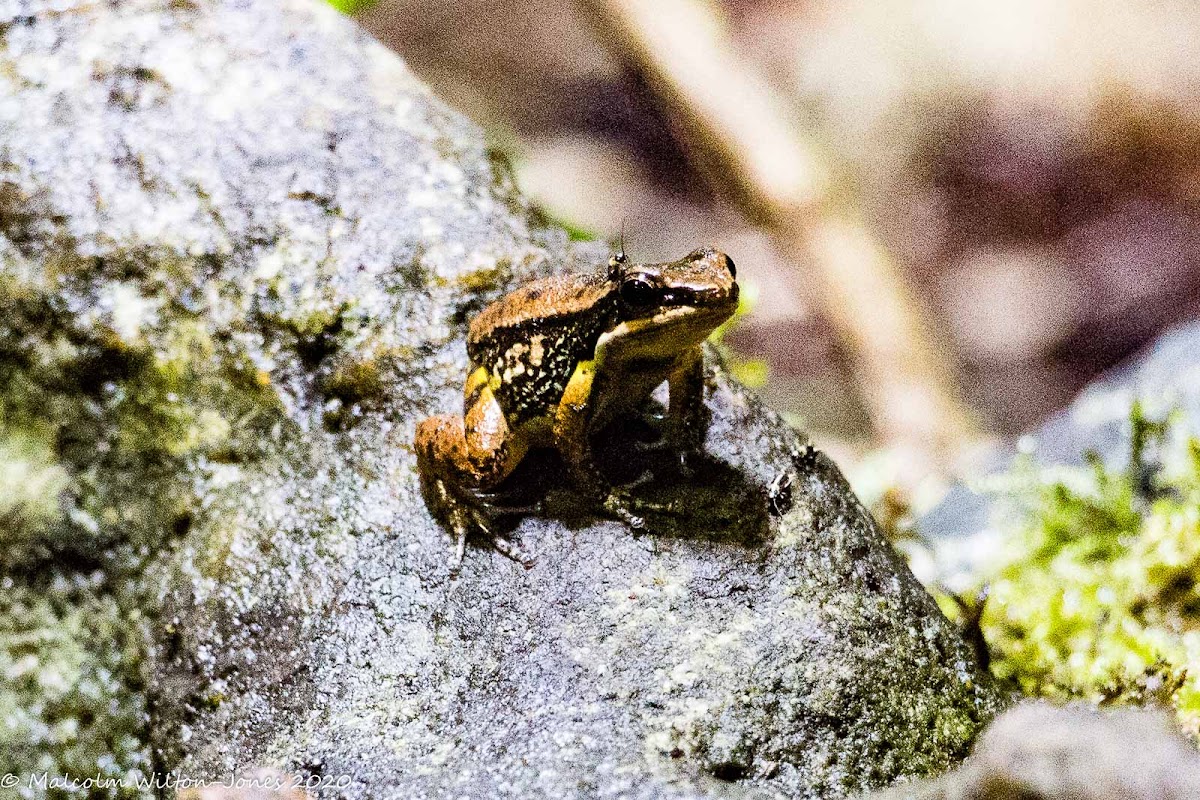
{"x": 555, "y": 361}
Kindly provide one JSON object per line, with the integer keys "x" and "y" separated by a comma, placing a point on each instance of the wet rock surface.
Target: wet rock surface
{"x": 240, "y": 244}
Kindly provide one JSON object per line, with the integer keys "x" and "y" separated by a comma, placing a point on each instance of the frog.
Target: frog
{"x": 557, "y": 360}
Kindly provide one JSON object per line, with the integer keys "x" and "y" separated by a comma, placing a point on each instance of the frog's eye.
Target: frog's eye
{"x": 637, "y": 293}
{"x": 732, "y": 267}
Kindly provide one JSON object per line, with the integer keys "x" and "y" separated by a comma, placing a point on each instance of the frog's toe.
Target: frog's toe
{"x": 499, "y": 503}
{"x": 634, "y": 521}
{"x": 638, "y": 512}
{"x": 532, "y": 508}
{"x": 465, "y": 521}
{"x": 617, "y": 505}
{"x": 510, "y": 549}
{"x": 460, "y": 551}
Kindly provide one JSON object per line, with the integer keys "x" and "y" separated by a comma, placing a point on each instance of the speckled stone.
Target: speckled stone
{"x": 277, "y": 234}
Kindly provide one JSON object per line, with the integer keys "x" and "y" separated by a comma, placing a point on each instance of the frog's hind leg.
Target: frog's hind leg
{"x": 440, "y": 447}
{"x": 461, "y": 458}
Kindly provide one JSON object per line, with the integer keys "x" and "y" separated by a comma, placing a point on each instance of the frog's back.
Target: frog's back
{"x": 531, "y": 339}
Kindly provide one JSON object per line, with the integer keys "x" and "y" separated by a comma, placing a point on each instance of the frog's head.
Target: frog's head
{"x": 664, "y": 309}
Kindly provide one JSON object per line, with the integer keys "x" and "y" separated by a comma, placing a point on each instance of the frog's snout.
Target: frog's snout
{"x": 713, "y": 255}
{"x": 727, "y": 262}
{"x": 725, "y": 293}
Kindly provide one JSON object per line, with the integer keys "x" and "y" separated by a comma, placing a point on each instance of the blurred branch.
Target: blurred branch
{"x": 779, "y": 179}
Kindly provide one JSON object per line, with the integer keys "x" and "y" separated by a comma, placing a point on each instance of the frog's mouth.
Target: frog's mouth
{"x": 670, "y": 330}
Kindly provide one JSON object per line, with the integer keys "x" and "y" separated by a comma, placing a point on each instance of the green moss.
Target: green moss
{"x": 115, "y": 403}
{"x": 540, "y": 216}
{"x": 69, "y": 700}
{"x": 30, "y": 479}
{"x": 351, "y": 7}
{"x": 1099, "y": 595}
{"x": 98, "y": 426}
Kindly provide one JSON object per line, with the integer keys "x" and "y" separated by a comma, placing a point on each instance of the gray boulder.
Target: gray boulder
{"x": 1073, "y": 753}
{"x": 239, "y": 244}
{"x": 1164, "y": 378}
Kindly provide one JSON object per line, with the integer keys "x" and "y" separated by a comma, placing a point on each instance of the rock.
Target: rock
{"x": 1164, "y": 378}
{"x": 240, "y": 243}
{"x": 1075, "y": 753}
{"x": 252, "y": 785}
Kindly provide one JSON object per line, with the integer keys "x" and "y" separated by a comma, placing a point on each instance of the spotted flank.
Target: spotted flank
{"x": 528, "y": 376}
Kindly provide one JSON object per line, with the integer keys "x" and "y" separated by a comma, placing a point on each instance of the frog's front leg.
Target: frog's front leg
{"x": 574, "y": 423}
{"x": 687, "y": 416}
{"x": 573, "y": 428}
{"x": 461, "y": 457}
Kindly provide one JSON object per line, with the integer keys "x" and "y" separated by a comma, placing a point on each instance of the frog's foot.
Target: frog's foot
{"x": 465, "y": 520}
{"x": 468, "y": 521}
{"x": 626, "y": 490}
{"x": 616, "y": 506}
{"x": 512, "y": 550}
{"x": 461, "y": 531}
{"x": 622, "y": 504}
